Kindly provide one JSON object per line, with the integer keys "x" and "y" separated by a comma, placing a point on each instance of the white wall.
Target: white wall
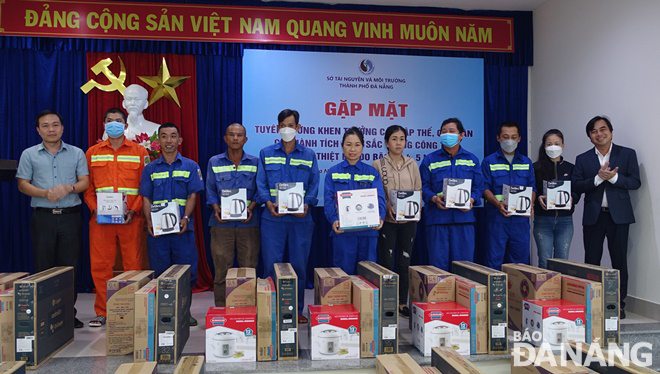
{"x": 602, "y": 57}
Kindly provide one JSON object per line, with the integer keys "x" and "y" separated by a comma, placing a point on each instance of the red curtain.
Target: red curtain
{"x": 164, "y": 110}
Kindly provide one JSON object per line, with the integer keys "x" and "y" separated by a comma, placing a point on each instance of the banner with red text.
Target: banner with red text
{"x": 215, "y": 23}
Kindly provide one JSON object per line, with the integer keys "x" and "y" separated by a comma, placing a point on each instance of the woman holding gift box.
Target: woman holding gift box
{"x": 553, "y": 229}
{"x": 351, "y": 247}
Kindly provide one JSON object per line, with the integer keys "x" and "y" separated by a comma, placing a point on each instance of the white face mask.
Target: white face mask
{"x": 509, "y": 145}
{"x": 287, "y": 133}
{"x": 553, "y": 151}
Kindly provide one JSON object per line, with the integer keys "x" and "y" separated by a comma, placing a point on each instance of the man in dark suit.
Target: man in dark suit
{"x": 605, "y": 174}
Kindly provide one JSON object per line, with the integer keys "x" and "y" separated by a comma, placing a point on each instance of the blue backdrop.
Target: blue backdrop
{"x": 46, "y": 73}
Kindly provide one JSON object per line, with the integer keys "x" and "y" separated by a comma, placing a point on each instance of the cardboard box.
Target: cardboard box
{"x": 447, "y": 361}
{"x": 165, "y": 218}
{"x": 137, "y": 368}
{"x": 358, "y": 209}
{"x": 144, "y": 333}
{"x": 241, "y": 287}
{"x": 7, "y": 279}
{"x": 397, "y": 364}
{"x": 558, "y": 321}
{"x": 231, "y": 334}
{"x": 12, "y": 367}
{"x": 609, "y": 278}
{"x": 334, "y": 332}
{"x": 111, "y": 208}
{"x": 529, "y": 282}
{"x": 290, "y": 198}
{"x": 173, "y": 311}
{"x": 190, "y": 365}
{"x": 120, "y": 327}
{"x": 617, "y": 365}
{"x": 331, "y": 286}
{"x": 441, "y": 325}
{"x": 366, "y": 301}
{"x": 496, "y": 281}
{"x": 544, "y": 367}
{"x": 407, "y": 205}
{"x": 557, "y": 194}
{"x": 266, "y": 320}
{"x": 457, "y": 193}
{"x": 286, "y": 281}
{"x": 589, "y": 294}
{"x": 7, "y": 343}
{"x": 387, "y": 282}
{"x": 43, "y": 314}
{"x": 233, "y": 204}
{"x": 518, "y": 200}
{"x": 474, "y": 296}
{"x": 429, "y": 284}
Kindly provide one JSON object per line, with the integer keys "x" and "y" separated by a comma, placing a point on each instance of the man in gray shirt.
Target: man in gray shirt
{"x": 53, "y": 173}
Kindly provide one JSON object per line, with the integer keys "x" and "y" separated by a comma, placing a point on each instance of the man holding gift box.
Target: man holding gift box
{"x": 115, "y": 165}
{"x": 233, "y": 169}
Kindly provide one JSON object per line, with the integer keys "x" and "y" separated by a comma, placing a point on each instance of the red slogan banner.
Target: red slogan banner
{"x": 210, "y": 23}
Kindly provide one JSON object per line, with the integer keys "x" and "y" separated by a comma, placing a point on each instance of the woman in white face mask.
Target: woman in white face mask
{"x": 553, "y": 213}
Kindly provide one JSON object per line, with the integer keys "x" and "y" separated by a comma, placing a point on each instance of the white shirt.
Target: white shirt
{"x": 597, "y": 179}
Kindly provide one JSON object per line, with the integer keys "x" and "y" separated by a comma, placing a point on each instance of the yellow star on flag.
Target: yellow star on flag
{"x": 164, "y": 84}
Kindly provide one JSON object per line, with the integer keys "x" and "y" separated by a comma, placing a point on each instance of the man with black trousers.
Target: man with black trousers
{"x": 53, "y": 173}
{"x": 605, "y": 174}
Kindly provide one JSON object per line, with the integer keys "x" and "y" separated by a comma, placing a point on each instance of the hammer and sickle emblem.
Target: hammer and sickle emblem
{"x": 115, "y": 83}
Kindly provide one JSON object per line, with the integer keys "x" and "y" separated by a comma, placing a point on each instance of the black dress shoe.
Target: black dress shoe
{"x": 404, "y": 311}
{"x": 622, "y": 313}
{"x": 78, "y": 323}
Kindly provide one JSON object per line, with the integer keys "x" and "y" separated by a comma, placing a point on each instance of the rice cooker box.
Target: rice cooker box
{"x": 331, "y": 286}
{"x": 231, "y": 334}
{"x": 518, "y": 200}
{"x": 407, "y": 205}
{"x": 358, "y": 209}
{"x": 529, "y": 282}
{"x": 266, "y": 320}
{"x": 290, "y": 197}
{"x": 474, "y": 296}
{"x": 558, "y": 321}
{"x": 7, "y": 343}
{"x": 429, "y": 284}
{"x": 366, "y": 301}
{"x": 7, "y": 279}
{"x": 241, "y": 285}
{"x": 441, "y": 325}
{"x": 334, "y": 332}
{"x": 590, "y": 294}
{"x": 457, "y": 193}
{"x": 144, "y": 332}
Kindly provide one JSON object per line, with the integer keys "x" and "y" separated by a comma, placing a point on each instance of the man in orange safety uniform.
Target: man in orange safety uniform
{"x": 116, "y": 165}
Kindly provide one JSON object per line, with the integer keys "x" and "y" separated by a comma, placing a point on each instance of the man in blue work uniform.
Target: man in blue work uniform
{"x": 449, "y": 232}
{"x": 508, "y": 236}
{"x": 172, "y": 178}
{"x": 231, "y": 170}
{"x": 287, "y": 161}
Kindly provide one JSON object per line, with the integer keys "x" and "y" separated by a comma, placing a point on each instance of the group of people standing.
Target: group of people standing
{"x": 119, "y": 165}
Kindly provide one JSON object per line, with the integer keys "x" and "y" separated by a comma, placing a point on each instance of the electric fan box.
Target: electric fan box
{"x": 40, "y": 300}
{"x": 334, "y": 332}
{"x": 120, "y": 296}
{"x": 286, "y": 282}
{"x": 407, "y": 205}
{"x": 231, "y": 334}
{"x": 165, "y": 218}
{"x": 366, "y": 301}
{"x": 358, "y": 209}
{"x": 290, "y": 197}
{"x": 589, "y": 294}
{"x": 173, "y": 310}
{"x": 7, "y": 279}
{"x": 144, "y": 332}
{"x": 7, "y": 342}
{"x": 557, "y": 321}
{"x": 240, "y": 287}
{"x": 474, "y": 296}
{"x": 111, "y": 208}
{"x": 446, "y": 360}
{"x": 518, "y": 200}
{"x": 428, "y": 283}
{"x": 457, "y": 192}
{"x": 266, "y": 320}
{"x": 233, "y": 204}
{"x": 441, "y": 325}
{"x": 331, "y": 286}
{"x": 387, "y": 282}
{"x": 529, "y": 282}
{"x": 557, "y": 194}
